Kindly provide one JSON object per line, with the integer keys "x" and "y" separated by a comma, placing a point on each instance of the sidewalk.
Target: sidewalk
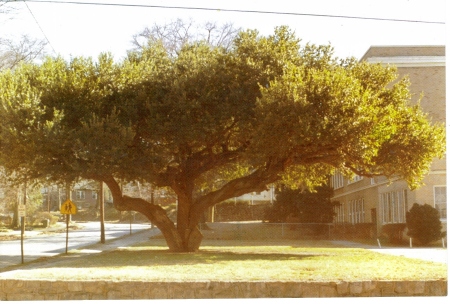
{"x": 123, "y": 241}
{"x": 109, "y": 245}
{"x": 439, "y": 255}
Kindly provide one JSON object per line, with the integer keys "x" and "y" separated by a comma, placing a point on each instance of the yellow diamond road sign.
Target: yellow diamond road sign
{"x": 68, "y": 207}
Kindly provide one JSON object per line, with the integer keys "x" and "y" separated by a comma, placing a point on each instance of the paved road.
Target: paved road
{"x": 37, "y": 246}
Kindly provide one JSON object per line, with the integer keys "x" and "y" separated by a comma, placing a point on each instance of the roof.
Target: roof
{"x": 404, "y": 50}
{"x": 407, "y": 56}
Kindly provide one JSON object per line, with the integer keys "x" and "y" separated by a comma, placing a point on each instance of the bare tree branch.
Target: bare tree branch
{"x": 176, "y": 34}
{"x": 26, "y": 50}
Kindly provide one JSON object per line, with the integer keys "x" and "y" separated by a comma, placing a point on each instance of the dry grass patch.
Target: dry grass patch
{"x": 236, "y": 261}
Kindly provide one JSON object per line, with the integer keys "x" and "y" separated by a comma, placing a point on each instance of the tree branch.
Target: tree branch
{"x": 256, "y": 181}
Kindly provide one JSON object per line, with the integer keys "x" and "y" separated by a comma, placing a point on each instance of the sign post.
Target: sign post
{"x": 22, "y": 213}
{"x": 68, "y": 208}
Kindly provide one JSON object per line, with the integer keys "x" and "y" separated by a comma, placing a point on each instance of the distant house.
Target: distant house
{"x": 257, "y": 198}
{"x": 84, "y": 195}
{"x": 374, "y": 200}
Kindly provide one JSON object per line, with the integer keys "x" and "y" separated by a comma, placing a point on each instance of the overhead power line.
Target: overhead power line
{"x": 237, "y": 11}
{"x": 40, "y": 28}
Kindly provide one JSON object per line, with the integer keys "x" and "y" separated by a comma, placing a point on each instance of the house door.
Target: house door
{"x": 373, "y": 215}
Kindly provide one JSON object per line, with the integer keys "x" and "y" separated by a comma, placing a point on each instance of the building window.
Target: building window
{"x": 356, "y": 212}
{"x": 80, "y": 195}
{"x": 440, "y": 200}
{"x": 94, "y": 194}
{"x": 337, "y": 180}
{"x": 340, "y": 214}
{"x": 355, "y": 179}
{"x": 393, "y": 207}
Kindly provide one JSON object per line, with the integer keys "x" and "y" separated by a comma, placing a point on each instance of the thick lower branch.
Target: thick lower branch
{"x": 255, "y": 182}
{"x": 155, "y": 213}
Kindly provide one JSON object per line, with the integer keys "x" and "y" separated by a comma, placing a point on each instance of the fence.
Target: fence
{"x": 253, "y": 230}
{"x": 264, "y": 230}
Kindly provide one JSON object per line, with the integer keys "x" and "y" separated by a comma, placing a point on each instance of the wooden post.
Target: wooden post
{"x": 22, "y": 220}
{"x": 101, "y": 198}
{"x": 69, "y": 197}
{"x": 48, "y": 199}
{"x": 59, "y": 198}
{"x": 67, "y": 232}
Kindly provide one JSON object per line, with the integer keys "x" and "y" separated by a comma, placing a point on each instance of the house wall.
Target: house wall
{"x": 88, "y": 200}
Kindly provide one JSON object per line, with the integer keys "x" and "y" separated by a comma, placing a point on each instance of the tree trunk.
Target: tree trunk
{"x": 157, "y": 215}
{"x": 187, "y": 222}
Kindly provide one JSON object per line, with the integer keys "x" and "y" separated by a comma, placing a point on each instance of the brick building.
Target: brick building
{"x": 374, "y": 200}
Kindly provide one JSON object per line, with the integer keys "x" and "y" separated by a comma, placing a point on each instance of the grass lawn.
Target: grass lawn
{"x": 232, "y": 260}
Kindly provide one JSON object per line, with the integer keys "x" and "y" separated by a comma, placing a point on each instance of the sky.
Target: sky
{"x": 74, "y": 29}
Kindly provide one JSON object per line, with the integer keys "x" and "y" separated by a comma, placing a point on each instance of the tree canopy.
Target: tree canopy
{"x": 212, "y": 123}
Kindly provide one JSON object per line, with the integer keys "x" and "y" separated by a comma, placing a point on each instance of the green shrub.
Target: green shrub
{"x": 232, "y": 211}
{"x": 423, "y": 223}
{"x": 394, "y": 232}
{"x": 274, "y": 215}
{"x": 41, "y": 216}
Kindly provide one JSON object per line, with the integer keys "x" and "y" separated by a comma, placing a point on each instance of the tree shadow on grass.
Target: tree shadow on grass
{"x": 127, "y": 257}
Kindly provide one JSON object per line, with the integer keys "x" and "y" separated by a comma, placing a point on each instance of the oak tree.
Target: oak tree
{"x": 212, "y": 123}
